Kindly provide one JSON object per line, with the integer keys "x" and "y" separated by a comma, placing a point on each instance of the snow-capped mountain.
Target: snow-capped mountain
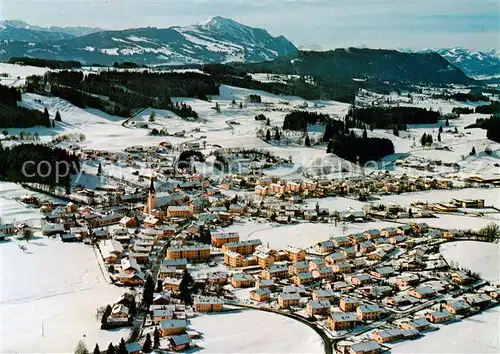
{"x": 217, "y": 40}
{"x": 472, "y": 62}
{"x": 22, "y": 31}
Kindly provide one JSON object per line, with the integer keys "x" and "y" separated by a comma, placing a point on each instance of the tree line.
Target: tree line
{"x": 492, "y": 126}
{"x": 237, "y": 75}
{"x": 492, "y": 108}
{"x": 52, "y": 171}
{"x": 12, "y": 116}
{"x": 46, "y": 63}
{"x": 360, "y": 149}
{"x": 389, "y": 117}
{"x": 119, "y": 93}
{"x": 298, "y": 120}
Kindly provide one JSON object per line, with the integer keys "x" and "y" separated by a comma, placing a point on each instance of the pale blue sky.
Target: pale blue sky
{"x": 330, "y": 23}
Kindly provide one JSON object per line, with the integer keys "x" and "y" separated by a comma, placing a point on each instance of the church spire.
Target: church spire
{"x": 152, "y": 187}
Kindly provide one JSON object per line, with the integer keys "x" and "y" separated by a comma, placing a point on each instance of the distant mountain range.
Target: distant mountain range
{"x": 474, "y": 63}
{"x": 22, "y": 31}
{"x": 217, "y": 40}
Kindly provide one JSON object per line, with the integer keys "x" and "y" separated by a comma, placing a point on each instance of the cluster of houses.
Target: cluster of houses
{"x": 453, "y": 206}
{"x": 376, "y": 184}
{"x": 348, "y": 281}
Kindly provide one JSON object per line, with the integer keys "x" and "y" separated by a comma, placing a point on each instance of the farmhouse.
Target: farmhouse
{"x": 221, "y": 238}
{"x": 348, "y": 304}
{"x": 208, "y": 304}
{"x": 457, "y": 307}
{"x": 242, "y": 280}
{"x": 339, "y": 321}
{"x": 171, "y": 327}
{"x": 260, "y": 295}
{"x": 368, "y": 347}
{"x": 194, "y": 252}
{"x": 318, "y": 307}
{"x": 438, "y": 316}
{"x": 286, "y": 300}
{"x": 368, "y": 312}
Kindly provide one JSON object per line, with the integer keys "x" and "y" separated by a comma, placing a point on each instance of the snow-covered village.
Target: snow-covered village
{"x": 245, "y": 215}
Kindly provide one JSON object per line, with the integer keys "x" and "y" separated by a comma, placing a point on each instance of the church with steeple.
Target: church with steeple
{"x": 151, "y": 202}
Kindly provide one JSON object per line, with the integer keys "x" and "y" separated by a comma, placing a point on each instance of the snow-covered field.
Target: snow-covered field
{"x": 11, "y": 211}
{"x": 476, "y": 334}
{"x": 299, "y": 235}
{"x": 480, "y": 257}
{"x": 49, "y": 297}
{"x": 252, "y": 331}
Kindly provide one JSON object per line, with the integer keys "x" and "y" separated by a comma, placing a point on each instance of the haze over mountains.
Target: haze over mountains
{"x": 218, "y": 40}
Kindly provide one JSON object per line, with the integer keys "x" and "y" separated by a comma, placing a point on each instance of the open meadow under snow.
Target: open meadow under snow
{"x": 476, "y": 334}
{"x": 299, "y": 235}
{"x": 480, "y": 257}
{"x": 49, "y": 297}
{"x": 252, "y": 331}
{"x": 11, "y": 210}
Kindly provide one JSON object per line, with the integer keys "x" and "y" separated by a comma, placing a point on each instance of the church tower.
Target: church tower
{"x": 151, "y": 203}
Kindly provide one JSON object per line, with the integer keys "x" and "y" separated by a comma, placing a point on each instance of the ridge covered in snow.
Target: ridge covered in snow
{"x": 217, "y": 40}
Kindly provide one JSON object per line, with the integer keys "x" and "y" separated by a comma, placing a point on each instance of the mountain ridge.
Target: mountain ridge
{"x": 216, "y": 40}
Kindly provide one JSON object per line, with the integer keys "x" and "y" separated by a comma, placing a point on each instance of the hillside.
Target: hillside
{"x": 365, "y": 64}
{"x": 218, "y": 40}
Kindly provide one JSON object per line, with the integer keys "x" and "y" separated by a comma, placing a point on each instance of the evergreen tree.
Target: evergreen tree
{"x": 241, "y": 105}
{"x": 395, "y": 131}
{"x": 429, "y": 140}
{"x": 149, "y": 288}
{"x": 156, "y": 338}
{"x": 439, "y": 137}
{"x": 277, "y": 135}
{"x": 308, "y": 141}
{"x": 58, "y": 117}
{"x": 46, "y": 118}
{"x": 317, "y": 207}
{"x": 111, "y": 349}
{"x": 147, "y": 346}
{"x": 152, "y": 117}
{"x": 53, "y": 124}
{"x": 268, "y": 135}
{"x": 473, "y": 152}
{"x": 440, "y": 129}
{"x": 456, "y": 130}
{"x": 133, "y": 307}
{"x": 217, "y": 107}
{"x": 268, "y": 122}
{"x": 99, "y": 169}
{"x": 106, "y": 313}
{"x": 447, "y": 123}
{"x": 81, "y": 348}
{"x": 122, "y": 347}
{"x": 159, "y": 286}
{"x": 423, "y": 140}
{"x": 365, "y": 133}
{"x": 96, "y": 349}
{"x": 410, "y": 213}
{"x": 185, "y": 287}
